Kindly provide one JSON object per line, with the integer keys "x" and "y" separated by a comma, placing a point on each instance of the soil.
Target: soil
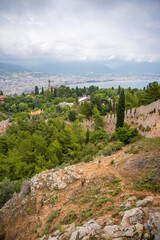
{"x": 29, "y": 221}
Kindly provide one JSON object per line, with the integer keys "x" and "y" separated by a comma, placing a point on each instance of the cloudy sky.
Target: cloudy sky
{"x": 79, "y": 30}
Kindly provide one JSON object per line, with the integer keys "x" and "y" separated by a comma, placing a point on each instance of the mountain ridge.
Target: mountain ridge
{"x": 84, "y": 68}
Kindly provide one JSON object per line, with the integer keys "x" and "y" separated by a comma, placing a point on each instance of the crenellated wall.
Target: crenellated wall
{"x": 145, "y": 118}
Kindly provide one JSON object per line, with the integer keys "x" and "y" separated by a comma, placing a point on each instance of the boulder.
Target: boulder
{"x": 133, "y": 231}
{"x": 113, "y": 231}
{"x": 90, "y": 228}
{"x": 132, "y": 217}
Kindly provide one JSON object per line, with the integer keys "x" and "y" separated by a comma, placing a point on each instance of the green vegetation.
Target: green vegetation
{"x": 46, "y": 229}
{"x": 2, "y": 117}
{"x": 71, "y": 216}
{"x": 125, "y": 133}
{"x": 57, "y": 136}
{"x": 7, "y": 188}
{"x": 149, "y": 182}
{"x": 120, "y": 110}
{"x": 53, "y": 216}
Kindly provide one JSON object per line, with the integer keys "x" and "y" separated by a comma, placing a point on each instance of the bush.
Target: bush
{"x": 124, "y": 134}
{"x": 70, "y": 217}
{"x": 7, "y": 188}
{"x": 98, "y": 135}
{"x": 53, "y": 216}
{"x": 108, "y": 150}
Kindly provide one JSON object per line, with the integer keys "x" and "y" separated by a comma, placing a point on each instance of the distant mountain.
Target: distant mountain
{"x": 5, "y": 67}
{"x": 138, "y": 68}
{"x": 83, "y": 68}
{"x": 73, "y": 68}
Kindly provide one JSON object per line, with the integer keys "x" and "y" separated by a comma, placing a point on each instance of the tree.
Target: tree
{"x": 55, "y": 92}
{"x": 36, "y": 90}
{"x": 72, "y": 115}
{"x": 98, "y": 119}
{"x": 86, "y": 109}
{"x": 125, "y": 133}
{"x": 119, "y": 90}
{"x": 120, "y": 109}
{"x": 22, "y": 106}
{"x": 152, "y": 92}
{"x": 87, "y": 136}
{"x": 42, "y": 92}
{"x": 3, "y": 145}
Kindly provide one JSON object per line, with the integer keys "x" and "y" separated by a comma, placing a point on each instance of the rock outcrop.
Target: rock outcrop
{"x": 132, "y": 226}
{"x": 55, "y": 179}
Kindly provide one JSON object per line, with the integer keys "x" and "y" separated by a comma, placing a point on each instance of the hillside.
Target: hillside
{"x": 4, "y": 67}
{"x": 118, "y": 199}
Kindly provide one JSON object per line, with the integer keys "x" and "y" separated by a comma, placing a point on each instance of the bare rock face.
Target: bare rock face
{"x": 55, "y": 179}
{"x": 144, "y": 202}
{"x": 25, "y": 189}
{"x": 154, "y": 224}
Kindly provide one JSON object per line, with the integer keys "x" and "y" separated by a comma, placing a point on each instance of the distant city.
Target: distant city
{"x": 17, "y": 83}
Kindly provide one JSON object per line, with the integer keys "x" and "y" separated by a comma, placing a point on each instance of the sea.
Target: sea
{"x": 140, "y": 84}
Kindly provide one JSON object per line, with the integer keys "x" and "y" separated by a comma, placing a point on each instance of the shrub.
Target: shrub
{"x": 71, "y": 216}
{"x": 2, "y": 236}
{"x": 124, "y": 134}
{"x": 98, "y": 135}
{"x": 53, "y": 216}
{"x": 108, "y": 150}
{"x": 46, "y": 229}
{"x": 7, "y": 188}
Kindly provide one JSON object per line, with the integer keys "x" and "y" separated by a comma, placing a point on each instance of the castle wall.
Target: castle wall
{"x": 3, "y": 126}
{"x": 145, "y": 118}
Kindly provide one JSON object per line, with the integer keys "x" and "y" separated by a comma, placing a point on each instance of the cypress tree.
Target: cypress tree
{"x": 87, "y": 136}
{"x": 119, "y": 90}
{"x": 36, "y": 90}
{"x": 120, "y": 109}
{"x": 42, "y": 91}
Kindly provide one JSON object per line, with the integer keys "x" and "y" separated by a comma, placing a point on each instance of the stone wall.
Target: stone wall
{"x": 145, "y": 118}
{"x": 3, "y": 126}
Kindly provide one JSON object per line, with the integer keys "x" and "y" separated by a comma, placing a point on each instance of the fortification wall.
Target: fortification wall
{"x": 145, "y": 118}
{"x": 3, "y": 126}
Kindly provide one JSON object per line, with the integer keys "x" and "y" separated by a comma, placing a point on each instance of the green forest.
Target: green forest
{"x": 57, "y": 137}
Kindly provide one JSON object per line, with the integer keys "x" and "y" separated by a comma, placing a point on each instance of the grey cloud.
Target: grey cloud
{"x": 80, "y": 29}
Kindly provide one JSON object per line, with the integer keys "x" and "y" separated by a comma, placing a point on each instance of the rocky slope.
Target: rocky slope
{"x": 90, "y": 200}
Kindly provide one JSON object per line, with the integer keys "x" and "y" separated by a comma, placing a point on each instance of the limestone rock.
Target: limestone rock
{"x": 129, "y": 231}
{"x": 132, "y": 217}
{"x": 133, "y": 231}
{"x": 59, "y": 179}
{"x": 144, "y": 202}
{"x": 53, "y": 238}
{"x": 113, "y": 231}
{"x": 87, "y": 229}
{"x": 25, "y": 189}
{"x": 133, "y": 198}
{"x": 154, "y": 224}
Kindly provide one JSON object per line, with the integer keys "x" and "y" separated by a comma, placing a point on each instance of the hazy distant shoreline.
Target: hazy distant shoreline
{"x": 140, "y": 84}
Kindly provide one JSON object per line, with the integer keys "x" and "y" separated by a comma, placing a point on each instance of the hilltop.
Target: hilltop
{"x": 118, "y": 199}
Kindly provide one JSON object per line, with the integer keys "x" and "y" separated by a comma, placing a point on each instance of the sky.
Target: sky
{"x": 38, "y": 31}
